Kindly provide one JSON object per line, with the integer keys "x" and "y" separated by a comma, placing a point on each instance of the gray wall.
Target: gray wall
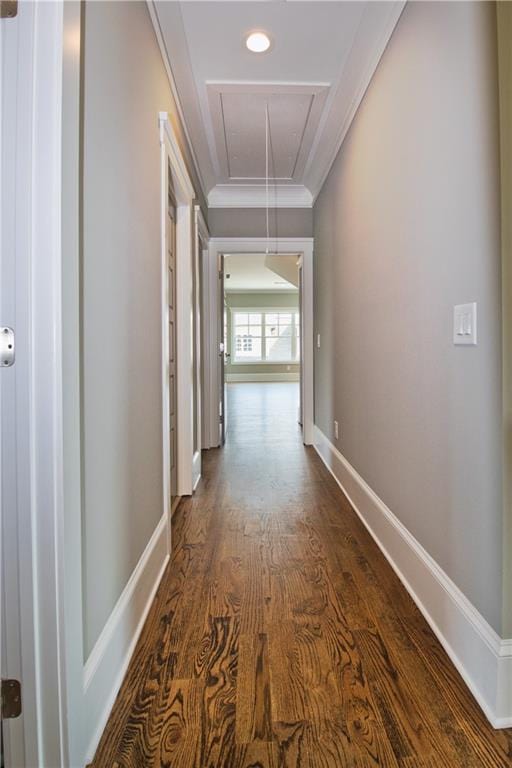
{"x": 125, "y": 87}
{"x": 406, "y": 226}
{"x": 251, "y": 222}
{"x": 504, "y": 13}
{"x": 260, "y": 301}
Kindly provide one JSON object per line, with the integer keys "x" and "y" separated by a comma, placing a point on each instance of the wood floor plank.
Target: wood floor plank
{"x": 219, "y": 671}
{"x": 279, "y": 636}
{"x": 257, "y": 754}
{"x": 253, "y": 704}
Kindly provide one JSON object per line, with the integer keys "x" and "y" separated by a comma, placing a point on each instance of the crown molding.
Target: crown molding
{"x": 174, "y": 90}
{"x": 254, "y": 196}
{"x": 378, "y": 27}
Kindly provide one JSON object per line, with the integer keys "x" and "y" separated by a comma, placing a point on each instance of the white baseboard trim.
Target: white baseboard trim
{"x": 107, "y": 664}
{"x": 482, "y": 658}
{"x": 233, "y": 377}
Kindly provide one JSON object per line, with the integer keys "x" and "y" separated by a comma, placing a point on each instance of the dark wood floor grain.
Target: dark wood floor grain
{"x": 279, "y": 636}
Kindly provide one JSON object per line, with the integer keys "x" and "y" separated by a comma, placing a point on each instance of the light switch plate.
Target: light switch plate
{"x": 464, "y": 324}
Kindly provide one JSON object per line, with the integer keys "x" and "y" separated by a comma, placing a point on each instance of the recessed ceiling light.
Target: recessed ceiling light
{"x": 258, "y": 42}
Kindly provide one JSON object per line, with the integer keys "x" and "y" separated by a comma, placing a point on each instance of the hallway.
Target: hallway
{"x": 279, "y": 635}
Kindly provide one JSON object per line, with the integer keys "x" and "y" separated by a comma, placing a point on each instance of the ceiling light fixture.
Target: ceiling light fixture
{"x": 258, "y": 42}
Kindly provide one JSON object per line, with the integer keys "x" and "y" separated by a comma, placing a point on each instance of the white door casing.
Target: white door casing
{"x": 184, "y": 193}
{"x": 201, "y": 239}
{"x": 219, "y": 246}
{"x": 40, "y": 53}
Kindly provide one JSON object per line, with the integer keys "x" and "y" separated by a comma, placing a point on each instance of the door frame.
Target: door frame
{"x": 303, "y": 246}
{"x": 201, "y": 240}
{"x": 204, "y": 337}
{"x": 184, "y": 193}
{"x": 49, "y": 559}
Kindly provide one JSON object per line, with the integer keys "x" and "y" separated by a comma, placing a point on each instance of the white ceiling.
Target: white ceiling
{"x": 322, "y": 57}
{"x": 249, "y": 273}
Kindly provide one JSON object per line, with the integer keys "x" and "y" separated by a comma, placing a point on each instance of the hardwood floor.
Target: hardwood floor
{"x": 280, "y": 636}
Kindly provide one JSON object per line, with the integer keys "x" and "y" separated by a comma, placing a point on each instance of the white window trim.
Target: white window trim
{"x": 263, "y": 311}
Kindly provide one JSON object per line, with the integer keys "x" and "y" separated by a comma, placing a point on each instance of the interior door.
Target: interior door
{"x": 173, "y": 394}
{"x": 222, "y": 352}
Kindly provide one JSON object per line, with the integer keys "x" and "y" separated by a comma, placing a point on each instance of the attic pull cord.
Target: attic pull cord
{"x": 267, "y": 250}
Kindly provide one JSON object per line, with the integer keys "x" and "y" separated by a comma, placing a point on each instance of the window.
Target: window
{"x": 271, "y": 336}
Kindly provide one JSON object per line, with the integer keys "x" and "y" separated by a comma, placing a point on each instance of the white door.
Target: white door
{"x": 15, "y": 570}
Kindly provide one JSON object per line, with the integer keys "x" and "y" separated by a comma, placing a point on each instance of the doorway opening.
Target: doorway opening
{"x": 261, "y": 337}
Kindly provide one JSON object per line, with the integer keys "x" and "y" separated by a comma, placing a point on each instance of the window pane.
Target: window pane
{"x": 248, "y": 348}
{"x": 255, "y": 318}
{"x": 255, "y": 330}
{"x": 279, "y": 348}
{"x": 271, "y": 319}
{"x": 241, "y": 318}
{"x": 285, "y": 318}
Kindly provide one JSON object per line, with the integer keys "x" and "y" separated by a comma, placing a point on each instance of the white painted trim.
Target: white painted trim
{"x": 196, "y": 469}
{"x": 201, "y": 239}
{"x": 184, "y": 192}
{"x": 482, "y": 658}
{"x": 201, "y": 225}
{"x": 181, "y": 178}
{"x": 107, "y": 664}
{"x": 206, "y": 351}
{"x": 248, "y": 377}
{"x": 165, "y": 58}
{"x": 164, "y": 288}
{"x": 247, "y": 245}
{"x": 264, "y": 311}
{"x": 50, "y": 524}
{"x": 254, "y": 196}
{"x": 385, "y": 28}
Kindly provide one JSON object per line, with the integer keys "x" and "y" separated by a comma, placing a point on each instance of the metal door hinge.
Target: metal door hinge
{"x": 7, "y": 354}
{"x": 8, "y": 9}
{"x": 11, "y": 699}
{"x": 221, "y": 419}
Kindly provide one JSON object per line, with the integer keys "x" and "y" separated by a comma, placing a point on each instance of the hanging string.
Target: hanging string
{"x": 266, "y": 175}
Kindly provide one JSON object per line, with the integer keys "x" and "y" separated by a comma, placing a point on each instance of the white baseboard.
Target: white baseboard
{"x": 483, "y": 659}
{"x": 107, "y": 664}
{"x": 232, "y": 377}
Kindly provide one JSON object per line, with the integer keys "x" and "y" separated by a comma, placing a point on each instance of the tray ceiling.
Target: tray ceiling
{"x": 322, "y": 58}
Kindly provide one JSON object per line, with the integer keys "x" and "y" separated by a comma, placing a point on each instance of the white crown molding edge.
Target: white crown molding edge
{"x": 263, "y": 86}
{"x": 483, "y": 659}
{"x": 395, "y": 11}
{"x": 254, "y": 196}
{"x": 108, "y": 661}
{"x": 174, "y": 90}
{"x": 239, "y": 244}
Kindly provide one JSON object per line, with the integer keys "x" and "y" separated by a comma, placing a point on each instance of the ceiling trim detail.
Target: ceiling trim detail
{"x": 333, "y": 108}
{"x": 167, "y": 65}
{"x": 218, "y": 92}
{"x": 379, "y": 27}
{"x": 254, "y": 196}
